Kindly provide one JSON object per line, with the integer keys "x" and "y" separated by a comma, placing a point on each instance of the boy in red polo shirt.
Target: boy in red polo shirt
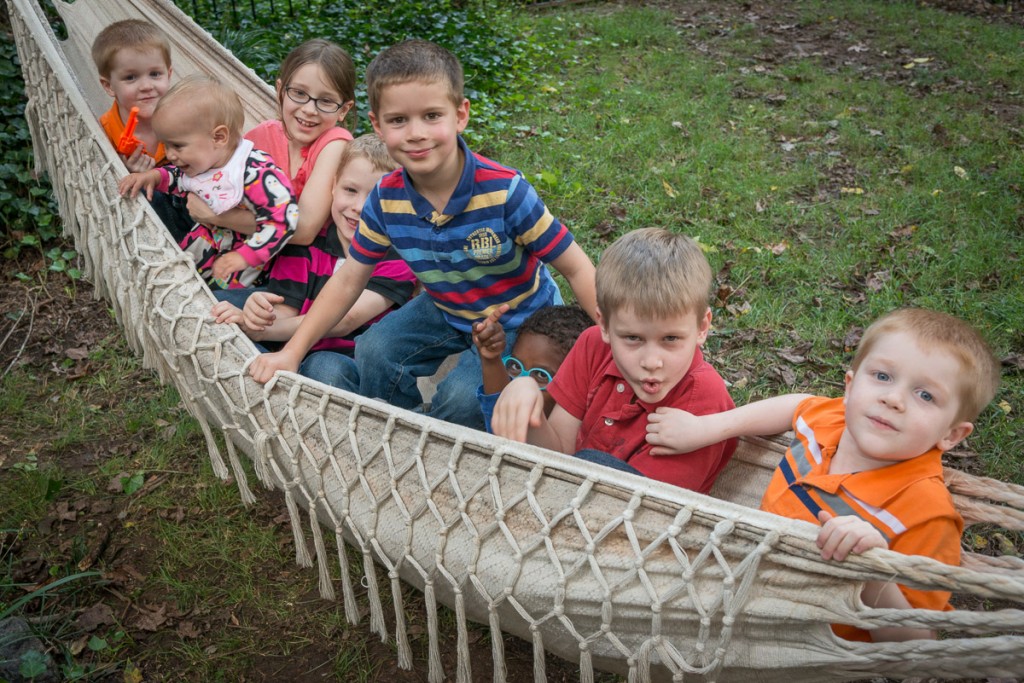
{"x": 868, "y": 466}
{"x": 644, "y": 355}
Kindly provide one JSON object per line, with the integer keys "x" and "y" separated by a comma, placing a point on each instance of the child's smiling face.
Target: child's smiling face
{"x": 902, "y": 401}
{"x": 305, "y": 122}
{"x": 138, "y": 78}
{"x": 351, "y": 188}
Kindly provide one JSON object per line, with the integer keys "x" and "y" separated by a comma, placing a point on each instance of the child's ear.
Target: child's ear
{"x": 376, "y": 125}
{"x": 603, "y": 324}
{"x": 221, "y": 135}
{"x": 847, "y": 379}
{"x": 957, "y": 433}
{"x": 105, "y": 82}
{"x": 462, "y": 115}
{"x": 703, "y": 327}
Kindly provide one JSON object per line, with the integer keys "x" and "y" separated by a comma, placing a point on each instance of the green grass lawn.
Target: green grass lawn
{"x": 835, "y": 159}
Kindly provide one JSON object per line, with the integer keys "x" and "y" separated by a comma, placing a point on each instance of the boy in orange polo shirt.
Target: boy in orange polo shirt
{"x": 133, "y": 58}
{"x": 868, "y": 466}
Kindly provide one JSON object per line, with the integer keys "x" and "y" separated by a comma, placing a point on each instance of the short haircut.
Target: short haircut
{"x": 563, "y": 325}
{"x": 414, "y": 61}
{"x": 979, "y": 376}
{"x": 338, "y": 70}
{"x": 129, "y": 34}
{"x": 369, "y": 147}
{"x": 654, "y": 273}
{"x": 209, "y": 102}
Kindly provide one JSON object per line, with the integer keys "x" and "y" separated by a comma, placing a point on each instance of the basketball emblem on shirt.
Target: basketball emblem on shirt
{"x": 483, "y": 246}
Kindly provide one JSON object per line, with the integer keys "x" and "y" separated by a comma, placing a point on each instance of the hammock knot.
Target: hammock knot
{"x": 627, "y": 515}
{"x": 674, "y": 530}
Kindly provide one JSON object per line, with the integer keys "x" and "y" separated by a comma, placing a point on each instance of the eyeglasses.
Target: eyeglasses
{"x": 322, "y": 104}
{"x": 516, "y": 368}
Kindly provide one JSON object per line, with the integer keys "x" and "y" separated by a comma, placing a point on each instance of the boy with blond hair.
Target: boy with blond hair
{"x": 200, "y": 122}
{"x": 644, "y": 356}
{"x": 868, "y": 466}
{"x": 474, "y": 232}
{"x": 133, "y": 58}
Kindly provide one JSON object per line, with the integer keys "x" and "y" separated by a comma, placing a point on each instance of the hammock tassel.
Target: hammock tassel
{"x": 435, "y": 670}
{"x": 326, "y": 587}
{"x": 373, "y": 594}
{"x": 643, "y": 664}
{"x": 262, "y": 461}
{"x": 302, "y": 557}
{"x": 586, "y": 664}
{"x": 401, "y": 636}
{"x": 219, "y": 468}
{"x": 465, "y": 670}
{"x": 240, "y": 478}
{"x": 348, "y": 596}
{"x": 539, "y": 670}
{"x": 497, "y": 645}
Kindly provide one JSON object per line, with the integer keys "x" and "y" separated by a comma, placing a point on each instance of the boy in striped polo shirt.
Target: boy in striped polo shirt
{"x": 474, "y": 232}
{"x": 868, "y": 466}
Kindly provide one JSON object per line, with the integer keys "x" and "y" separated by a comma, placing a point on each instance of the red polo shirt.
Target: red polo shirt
{"x": 590, "y": 387}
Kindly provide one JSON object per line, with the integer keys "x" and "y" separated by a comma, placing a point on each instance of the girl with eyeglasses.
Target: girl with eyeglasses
{"x": 541, "y": 344}
{"x": 315, "y": 95}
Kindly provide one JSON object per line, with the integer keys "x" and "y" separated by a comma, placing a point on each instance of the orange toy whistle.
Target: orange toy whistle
{"x": 128, "y": 142}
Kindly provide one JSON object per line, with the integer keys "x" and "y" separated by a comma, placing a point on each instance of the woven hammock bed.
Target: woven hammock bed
{"x": 609, "y": 570}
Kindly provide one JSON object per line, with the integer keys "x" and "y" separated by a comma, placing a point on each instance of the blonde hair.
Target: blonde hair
{"x": 369, "y": 147}
{"x": 129, "y": 34}
{"x": 209, "y": 102}
{"x": 337, "y": 66}
{"x": 980, "y": 372}
{"x": 414, "y": 61}
{"x": 654, "y": 273}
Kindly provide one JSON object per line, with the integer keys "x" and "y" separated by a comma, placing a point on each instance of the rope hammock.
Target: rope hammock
{"x": 610, "y": 570}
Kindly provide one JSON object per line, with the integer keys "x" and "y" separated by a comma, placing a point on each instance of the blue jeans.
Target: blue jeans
{"x": 236, "y": 297}
{"x": 331, "y": 367}
{"x": 608, "y": 460}
{"x": 412, "y": 342}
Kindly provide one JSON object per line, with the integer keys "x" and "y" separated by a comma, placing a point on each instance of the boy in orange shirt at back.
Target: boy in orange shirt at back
{"x": 133, "y": 59}
{"x": 868, "y": 466}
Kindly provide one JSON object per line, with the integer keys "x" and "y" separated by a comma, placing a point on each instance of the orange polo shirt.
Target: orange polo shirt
{"x": 907, "y": 502}
{"x": 114, "y": 126}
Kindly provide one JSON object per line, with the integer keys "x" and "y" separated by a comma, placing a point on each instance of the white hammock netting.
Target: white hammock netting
{"x": 613, "y": 571}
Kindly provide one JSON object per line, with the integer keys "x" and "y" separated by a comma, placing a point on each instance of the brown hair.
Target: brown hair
{"x": 133, "y": 34}
{"x": 338, "y": 69}
{"x": 655, "y": 273}
{"x": 979, "y": 377}
{"x": 414, "y": 61}
{"x": 369, "y": 147}
{"x": 209, "y": 102}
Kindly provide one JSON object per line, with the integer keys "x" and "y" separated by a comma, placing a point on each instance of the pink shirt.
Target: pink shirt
{"x": 271, "y": 138}
{"x": 590, "y": 387}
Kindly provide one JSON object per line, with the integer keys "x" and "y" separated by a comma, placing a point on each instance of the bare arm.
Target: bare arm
{"x": 577, "y": 268}
{"x": 490, "y": 341}
{"x": 315, "y": 202}
{"x": 671, "y": 430}
{"x": 366, "y": 308}
{"x": 335, "y": 300}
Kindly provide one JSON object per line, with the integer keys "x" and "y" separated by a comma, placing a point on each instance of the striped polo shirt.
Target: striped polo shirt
{"x": 487, "y": 248}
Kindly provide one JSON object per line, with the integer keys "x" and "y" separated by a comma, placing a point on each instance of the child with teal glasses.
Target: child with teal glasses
{"x": 541, "y": 344}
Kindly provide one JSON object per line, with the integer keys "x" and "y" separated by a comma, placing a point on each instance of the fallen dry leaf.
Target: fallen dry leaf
{"x": 98, "y": 615}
